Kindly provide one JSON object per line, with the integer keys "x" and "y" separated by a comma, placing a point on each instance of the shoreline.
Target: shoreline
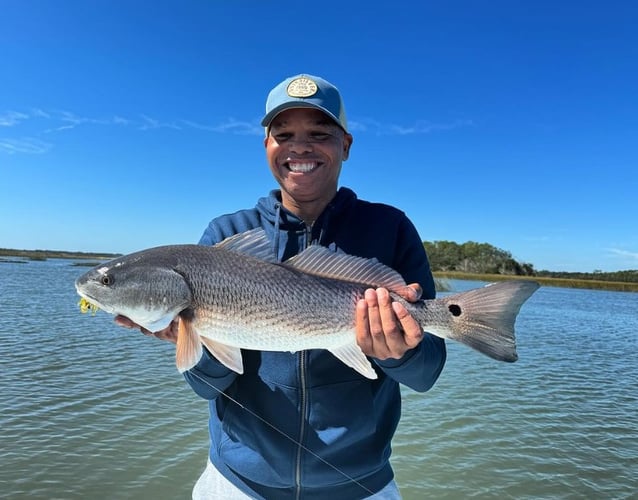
{"x": 7, "y": 253}
{"x": 615, "y": 286}
{"x": 9, "y": 256}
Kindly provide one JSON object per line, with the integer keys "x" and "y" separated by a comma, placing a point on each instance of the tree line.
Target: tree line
{"x": 482, "y": 258}
{"x": 469, "y": 257}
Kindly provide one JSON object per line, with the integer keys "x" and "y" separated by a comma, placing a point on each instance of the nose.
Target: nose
{"x": 299, "y": 146}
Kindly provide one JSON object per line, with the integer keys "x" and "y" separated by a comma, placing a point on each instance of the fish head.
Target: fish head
{"x": 146, "y": 290}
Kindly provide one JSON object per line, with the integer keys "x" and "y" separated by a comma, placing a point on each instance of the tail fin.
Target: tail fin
{"x": 484, "y": 318}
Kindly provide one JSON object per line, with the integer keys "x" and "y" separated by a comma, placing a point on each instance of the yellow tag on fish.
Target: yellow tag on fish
{"x": 86, "y": 306}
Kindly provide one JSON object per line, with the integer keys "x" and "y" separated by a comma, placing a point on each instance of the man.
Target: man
{"x": 305, "y": 425}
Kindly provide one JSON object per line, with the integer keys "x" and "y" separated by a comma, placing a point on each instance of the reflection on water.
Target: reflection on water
{"x": 91, "y": 410}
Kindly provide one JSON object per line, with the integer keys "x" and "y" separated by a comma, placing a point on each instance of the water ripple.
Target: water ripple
{"x": 91, "y": 410}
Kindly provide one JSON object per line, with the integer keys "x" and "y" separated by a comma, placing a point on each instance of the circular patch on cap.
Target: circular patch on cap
{"x": 302, "y": 87}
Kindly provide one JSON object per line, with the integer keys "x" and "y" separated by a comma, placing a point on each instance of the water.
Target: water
{"x": 91, "y": 410}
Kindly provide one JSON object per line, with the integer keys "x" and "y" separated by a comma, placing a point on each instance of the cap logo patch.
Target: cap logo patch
{"x": 302, "y": 87}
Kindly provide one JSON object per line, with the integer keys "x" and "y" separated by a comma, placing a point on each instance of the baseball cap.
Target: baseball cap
{"x": 305, "y": 91}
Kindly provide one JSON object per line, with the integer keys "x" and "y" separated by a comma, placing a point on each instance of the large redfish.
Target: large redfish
{"x": 234, "y": 296}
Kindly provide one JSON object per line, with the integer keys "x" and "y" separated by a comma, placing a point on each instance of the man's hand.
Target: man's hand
{"x": 169, "y": 333}
{"x": 384, "y": 328}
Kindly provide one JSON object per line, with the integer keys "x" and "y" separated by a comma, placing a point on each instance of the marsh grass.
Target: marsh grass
{"x": 617, "y": 286}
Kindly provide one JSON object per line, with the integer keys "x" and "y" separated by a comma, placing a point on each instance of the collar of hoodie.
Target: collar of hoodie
{"x": 285, "y": 224}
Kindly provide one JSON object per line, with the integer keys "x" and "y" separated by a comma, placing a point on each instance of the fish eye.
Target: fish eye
{"x": 106, "y": 280}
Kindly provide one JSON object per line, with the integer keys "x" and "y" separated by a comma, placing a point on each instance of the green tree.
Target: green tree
{"x": 474, "y": 257}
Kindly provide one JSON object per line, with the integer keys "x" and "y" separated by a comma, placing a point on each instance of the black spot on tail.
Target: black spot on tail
{"x": 455, "y": 309}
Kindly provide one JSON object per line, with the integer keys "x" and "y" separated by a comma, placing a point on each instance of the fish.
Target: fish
{"x": 235, "y": 295}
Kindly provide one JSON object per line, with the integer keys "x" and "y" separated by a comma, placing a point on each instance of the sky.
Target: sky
{"x": 130, "y": 124}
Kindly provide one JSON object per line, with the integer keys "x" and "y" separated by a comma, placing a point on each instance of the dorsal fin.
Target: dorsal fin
{"x": 253, "y": 242}
{"x": 321, "y": 261}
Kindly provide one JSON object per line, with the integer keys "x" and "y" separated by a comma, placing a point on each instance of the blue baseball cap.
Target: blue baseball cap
{"x": 305, "y": 91}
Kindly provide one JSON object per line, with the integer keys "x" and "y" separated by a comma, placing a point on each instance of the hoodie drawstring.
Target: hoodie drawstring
{"x": 277, "y": 236}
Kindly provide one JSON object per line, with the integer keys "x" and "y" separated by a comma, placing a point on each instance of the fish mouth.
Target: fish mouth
{"x": 301, "y": 167}
{"x": 153, "y": 320}
{"x": 88, "y": 301}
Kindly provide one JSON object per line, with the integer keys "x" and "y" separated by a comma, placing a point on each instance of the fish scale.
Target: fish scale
{"x": 229, "y": 302}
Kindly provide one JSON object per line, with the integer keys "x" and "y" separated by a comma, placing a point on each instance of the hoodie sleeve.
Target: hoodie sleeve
{"x": 229, "y": 225}
{"x": 420, "y": 367}
{"x": 208, "y": 378}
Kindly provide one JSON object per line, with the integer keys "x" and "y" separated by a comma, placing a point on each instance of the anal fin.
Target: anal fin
{"x": 227, "y": 355}
{"x": 352, "y": 355}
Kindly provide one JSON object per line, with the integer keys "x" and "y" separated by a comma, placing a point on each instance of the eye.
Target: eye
{"x": 106, "y": 280}
{"x": 282, "y": 136}
{"x": 320, "y": 136}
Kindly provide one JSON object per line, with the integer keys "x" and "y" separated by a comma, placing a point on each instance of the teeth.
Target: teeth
{"x": 302, "y": 167}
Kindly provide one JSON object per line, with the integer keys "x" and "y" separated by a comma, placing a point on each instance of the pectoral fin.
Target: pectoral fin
{"x": 353, "y": 356}
{"x": 227, "y": 355}
{"x": 189, "y": 347}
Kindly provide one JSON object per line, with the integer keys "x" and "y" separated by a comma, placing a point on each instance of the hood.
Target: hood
{"x": 289, "y": 232}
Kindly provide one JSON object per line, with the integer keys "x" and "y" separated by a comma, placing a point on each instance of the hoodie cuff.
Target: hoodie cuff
{"x": 391, "y": 363}
{"x": 209, "y": 365}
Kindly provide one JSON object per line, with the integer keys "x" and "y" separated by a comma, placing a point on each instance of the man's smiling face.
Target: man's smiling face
{"x": 305, "y": 149}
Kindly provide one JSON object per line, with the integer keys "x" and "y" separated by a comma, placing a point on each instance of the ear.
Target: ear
{"x": 347, "y": 142}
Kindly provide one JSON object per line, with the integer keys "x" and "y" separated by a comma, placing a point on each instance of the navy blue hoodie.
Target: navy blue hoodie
{"x": 346, "y": 420}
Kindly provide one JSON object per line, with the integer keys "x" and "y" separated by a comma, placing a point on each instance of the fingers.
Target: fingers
{"x": 389, "y": 336}
{"x": 385, "y": 329}
{"x": 125, "y": 322}
{"x": 362, "y": 327}
{"x": 169, "y": 333}
{"x": 128, "y": 323}
{"x": 412, "y": 331}
{"x": 411, "y": 292}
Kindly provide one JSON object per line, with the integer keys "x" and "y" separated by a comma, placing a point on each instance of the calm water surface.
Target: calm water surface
{"x": 91, "y": 410}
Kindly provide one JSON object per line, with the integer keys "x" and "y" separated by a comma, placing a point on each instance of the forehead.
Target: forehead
{"x": 302, "y": 116}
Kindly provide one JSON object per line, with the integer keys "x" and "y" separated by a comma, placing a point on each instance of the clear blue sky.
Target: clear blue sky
{"x": 130, "y": 124}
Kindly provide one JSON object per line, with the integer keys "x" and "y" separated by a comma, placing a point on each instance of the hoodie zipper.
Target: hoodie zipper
{"x": 303, "y": 396}
{"x": 303, "y": 403}
{"x": 308, "y": 235}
